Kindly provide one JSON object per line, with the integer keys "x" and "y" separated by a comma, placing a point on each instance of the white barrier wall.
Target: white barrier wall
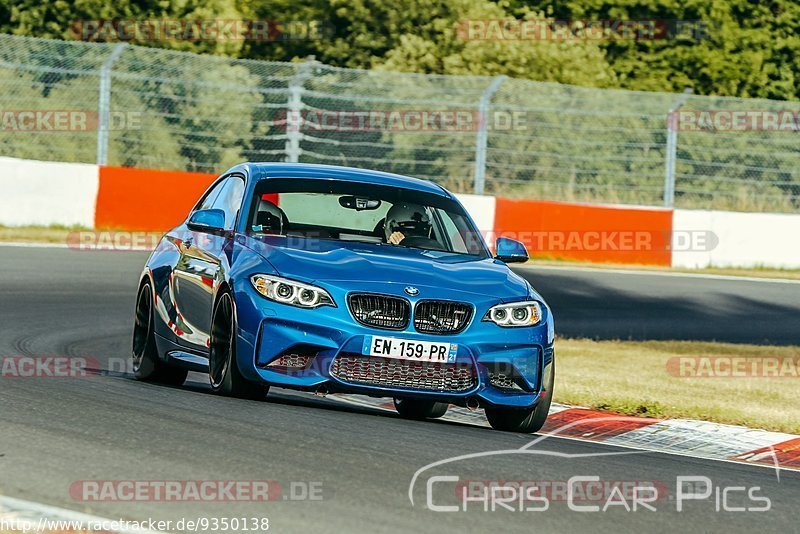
{"x": 732, "y": 239}
{"x": 481, "y": 209}
{"x": 46, "y": 193}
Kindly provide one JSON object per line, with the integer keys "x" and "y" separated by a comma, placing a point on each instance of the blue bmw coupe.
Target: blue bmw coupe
{"x": 340, "y": 280}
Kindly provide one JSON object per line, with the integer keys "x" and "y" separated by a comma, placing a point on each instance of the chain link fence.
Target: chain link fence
{"x": 162, "y": 109}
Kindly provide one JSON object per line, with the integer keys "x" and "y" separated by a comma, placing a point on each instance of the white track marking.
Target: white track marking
{"x": 677, "y": 437}
{"x": 725, "y": 277}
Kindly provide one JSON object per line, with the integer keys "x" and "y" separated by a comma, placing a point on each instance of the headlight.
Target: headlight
{"x": 291, "y": 292}
{"x": 527, "y": 313}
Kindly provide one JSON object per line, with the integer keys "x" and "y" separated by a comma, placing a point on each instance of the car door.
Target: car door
{"x": 199, "y": 264}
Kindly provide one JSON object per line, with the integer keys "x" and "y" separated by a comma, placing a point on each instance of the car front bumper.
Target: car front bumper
{"x": 494, "y": 366}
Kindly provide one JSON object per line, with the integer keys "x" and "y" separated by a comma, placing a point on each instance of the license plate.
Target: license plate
{"x": 404, "y": 349}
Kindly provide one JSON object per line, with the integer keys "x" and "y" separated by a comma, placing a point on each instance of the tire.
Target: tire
{"x": 223, "y": 371}
{"x": 420, "y": 409}
{"x": 525, "y": 421}
{"x": 147, "y": 366}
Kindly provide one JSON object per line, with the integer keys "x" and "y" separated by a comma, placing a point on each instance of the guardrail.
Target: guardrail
{"x": 130, "y": 200}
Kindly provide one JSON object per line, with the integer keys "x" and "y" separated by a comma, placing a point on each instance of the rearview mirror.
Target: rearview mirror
{"x": 207, "y": 220}
{"x": 510, "y": 251}
{"x": 359, "y": 203}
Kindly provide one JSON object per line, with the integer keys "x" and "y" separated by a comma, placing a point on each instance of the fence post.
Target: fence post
{"x": 104, "y": 103}
{"x": 672, "y": 148}
{"x": 294, "y": 109}
{"x": 483, "y": 133}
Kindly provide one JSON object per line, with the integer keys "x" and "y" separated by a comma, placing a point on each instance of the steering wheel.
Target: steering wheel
{"x": 421, "y": 242}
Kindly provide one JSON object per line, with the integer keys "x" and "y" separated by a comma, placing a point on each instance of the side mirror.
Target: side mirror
{"x": 510, "y": 251}
{"x": 211, "y": 220}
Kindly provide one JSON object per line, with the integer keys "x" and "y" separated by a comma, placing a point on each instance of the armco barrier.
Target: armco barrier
{"x": 47, "y": 193}
{"x": 584, "y": 232}
{"x": 145, "y": 200}
{"x": 739, "y": 239}
{"x": 153, "y": 201}
{"x": 482, "y": 211}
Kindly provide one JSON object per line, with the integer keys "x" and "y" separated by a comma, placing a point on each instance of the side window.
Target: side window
{"x": 456, "y": 238}
{"x": 230, "y": 200}
{"x": 208, "y": 201}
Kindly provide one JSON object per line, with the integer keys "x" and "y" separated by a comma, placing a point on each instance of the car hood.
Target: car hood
{"x": 342, "y": 261}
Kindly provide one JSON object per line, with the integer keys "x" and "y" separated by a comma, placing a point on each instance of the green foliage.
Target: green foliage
{"x": 62, "y": 19}
{"x": 199, "y": 105}
{"x": 752, "y": 49}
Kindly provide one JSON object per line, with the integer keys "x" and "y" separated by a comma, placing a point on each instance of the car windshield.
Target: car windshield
{"x": 367, "y": 213}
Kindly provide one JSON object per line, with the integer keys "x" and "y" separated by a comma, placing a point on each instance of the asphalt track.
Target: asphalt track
{"x": 604, "y": 304}
{"x": 56, "y": 431}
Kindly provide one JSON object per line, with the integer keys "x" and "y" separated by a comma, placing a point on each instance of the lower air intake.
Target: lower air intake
{"x": 389, "y": 372}
{"x": 292, "y": 361}
{"x": 503, "y": 381}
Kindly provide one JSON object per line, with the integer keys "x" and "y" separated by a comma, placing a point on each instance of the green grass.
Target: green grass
{"x": 50, "y": 234}
{"x": 37, "y": 234}
{"x": 631, "y": 378}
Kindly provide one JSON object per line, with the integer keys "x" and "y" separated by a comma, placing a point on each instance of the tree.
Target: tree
{"x": 752, "y": 49}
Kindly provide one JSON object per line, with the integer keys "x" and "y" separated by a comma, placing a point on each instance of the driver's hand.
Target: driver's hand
{"x": 396, "y": 237}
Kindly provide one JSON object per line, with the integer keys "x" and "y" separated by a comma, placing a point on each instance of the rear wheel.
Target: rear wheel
{"x": 223, "y": 371}
{"x": 420, "y": 409}
{"x": 525, "y": 421}
{"x": 146, "y": 363}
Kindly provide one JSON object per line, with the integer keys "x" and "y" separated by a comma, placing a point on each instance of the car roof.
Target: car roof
{"x": 265, "y": 171}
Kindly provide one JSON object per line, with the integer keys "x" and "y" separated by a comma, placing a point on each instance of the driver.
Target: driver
{"x": 406, "y": 220}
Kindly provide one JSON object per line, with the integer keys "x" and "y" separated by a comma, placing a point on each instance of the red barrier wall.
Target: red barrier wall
{"x": 584, "y": 232}
{"x": 147, "y": 200}
{"x": 155, "y": 201}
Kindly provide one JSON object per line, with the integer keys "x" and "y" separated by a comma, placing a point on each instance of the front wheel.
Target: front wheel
{"x": 147, "y": 366}
{"x": 223, "y": 371}
{"x": 525, "y": 421}
{"x": 420, "y": 409}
